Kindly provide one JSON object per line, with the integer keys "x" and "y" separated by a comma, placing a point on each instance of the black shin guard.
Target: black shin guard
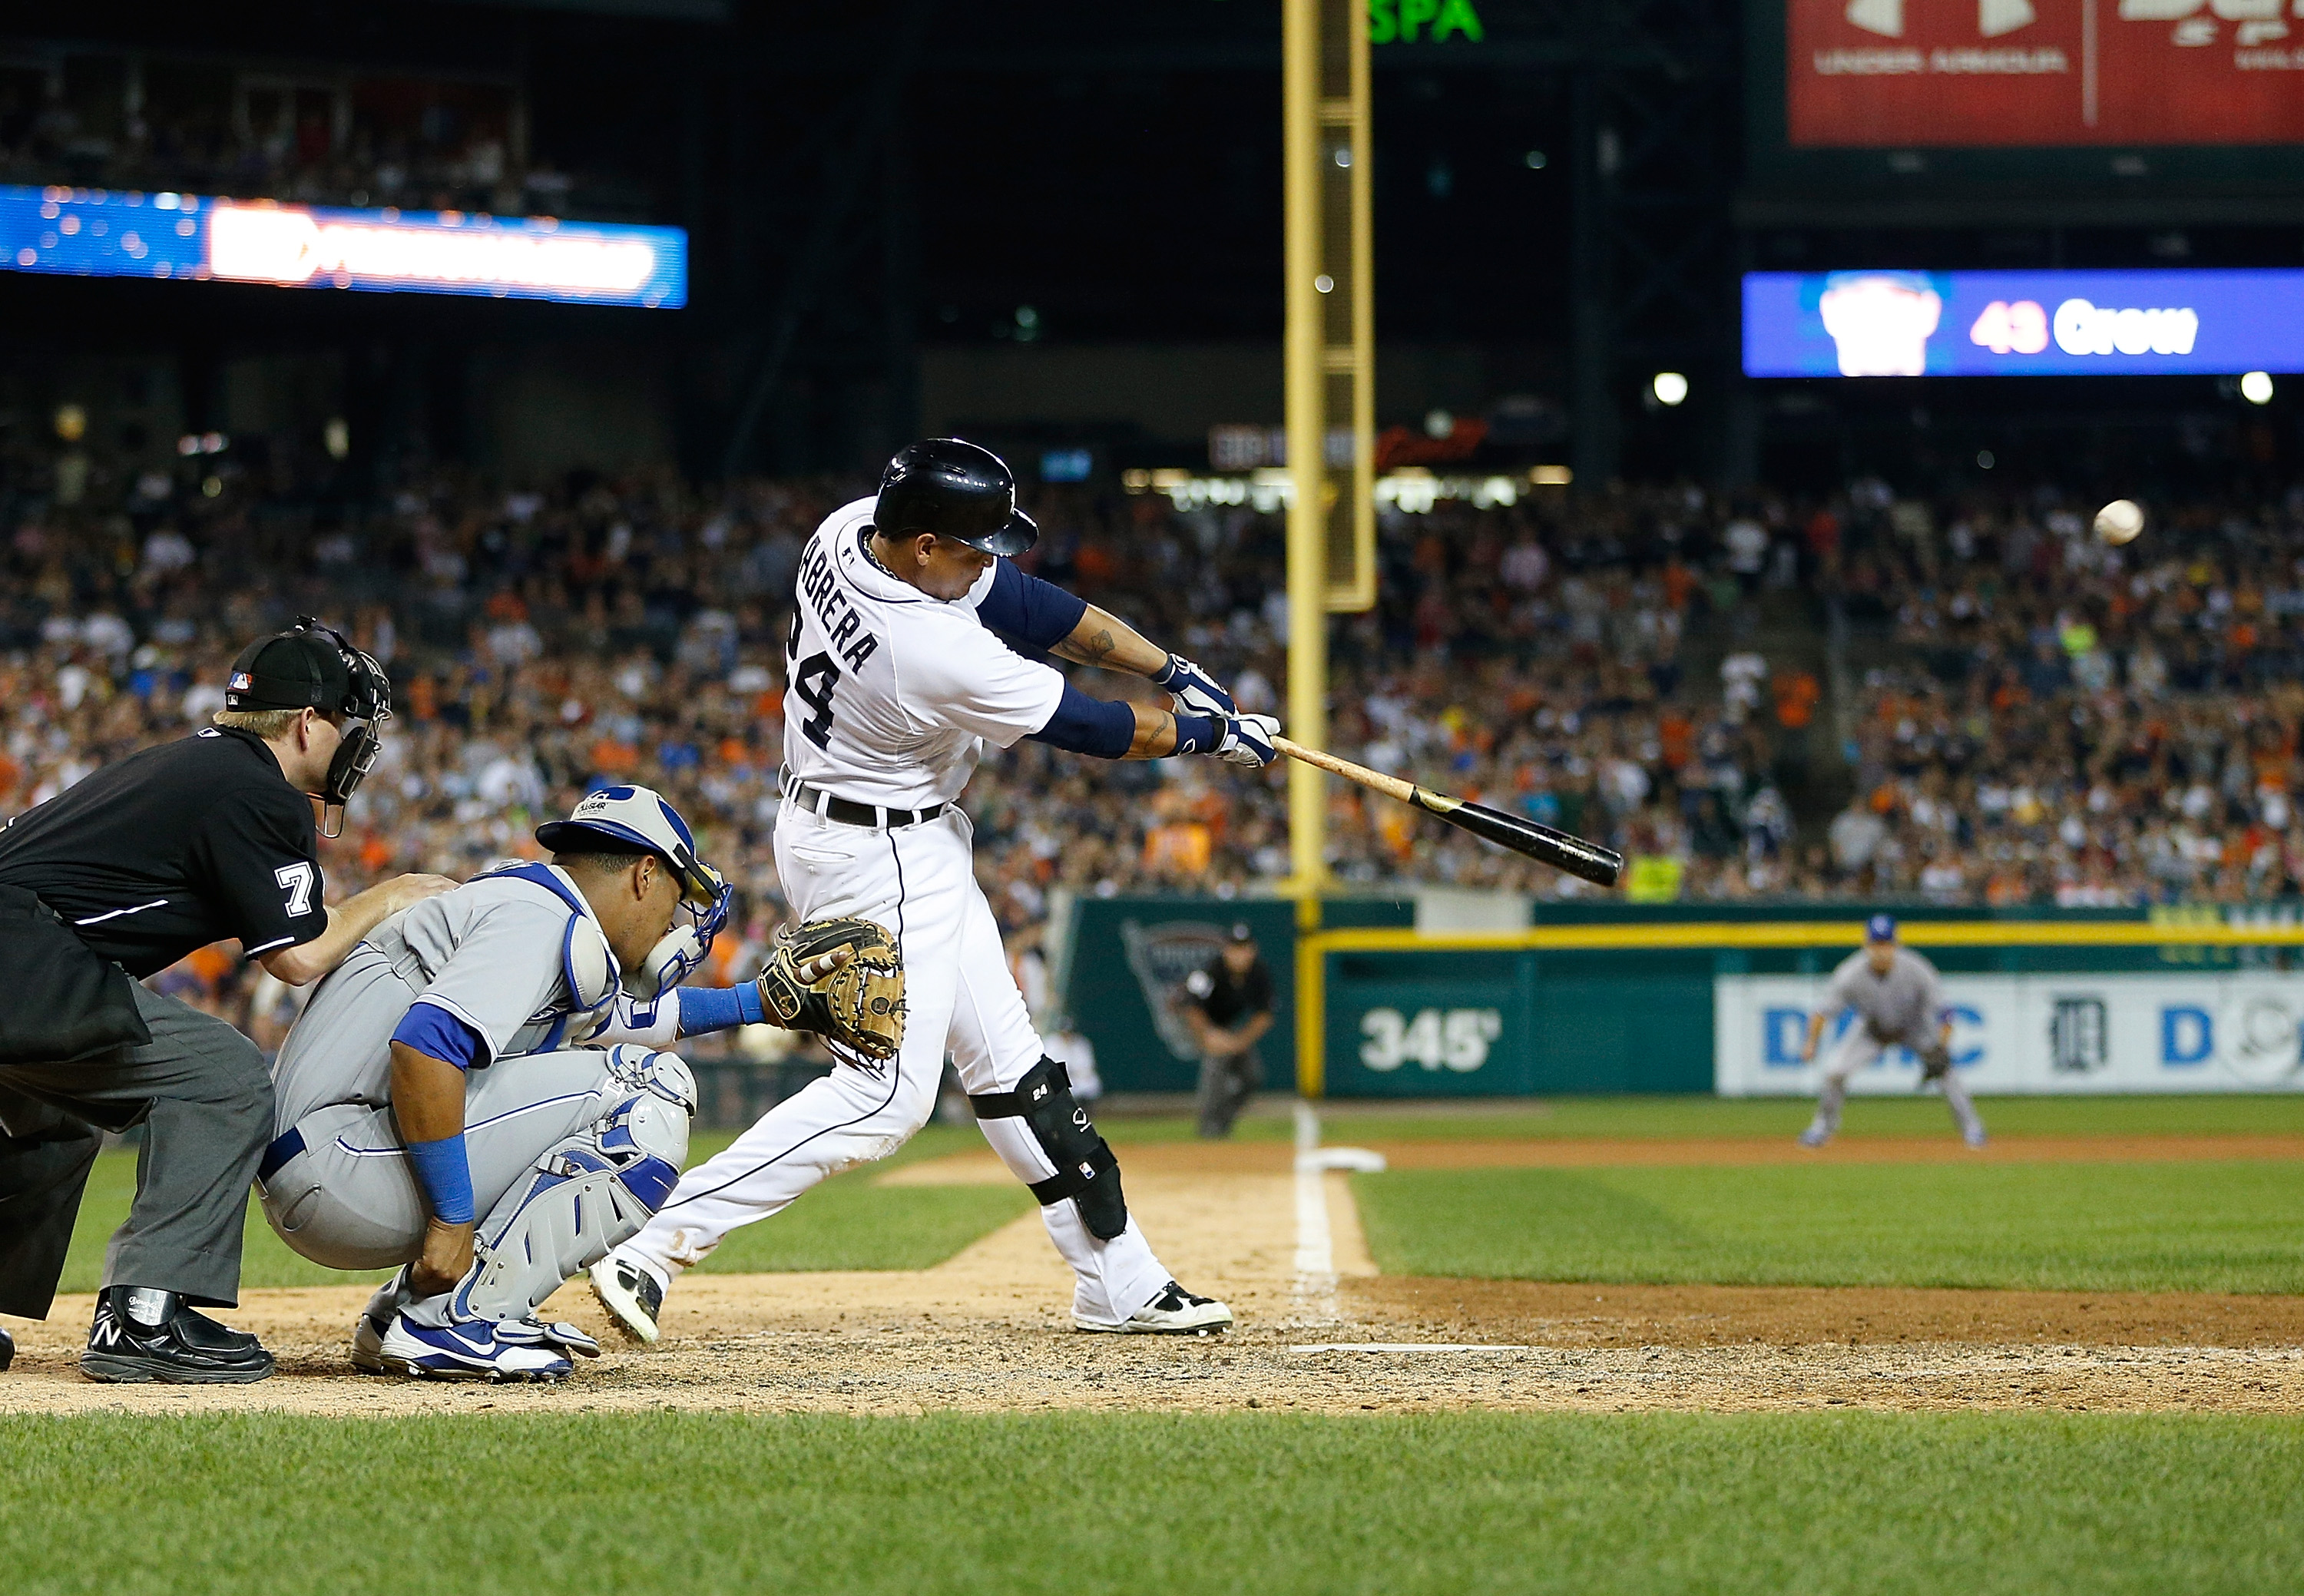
{"x": 1086, "y": 1169}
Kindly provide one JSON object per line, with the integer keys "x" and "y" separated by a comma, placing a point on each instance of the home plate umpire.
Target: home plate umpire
{"x": 183, "y": 844}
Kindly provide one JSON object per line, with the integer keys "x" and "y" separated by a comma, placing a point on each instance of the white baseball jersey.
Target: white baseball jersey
{"x": 1906, "y": 1003}
{"x": 891, "y": 694}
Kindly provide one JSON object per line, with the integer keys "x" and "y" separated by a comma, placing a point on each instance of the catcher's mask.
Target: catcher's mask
{"x": 639, "y": 816}
{"x": 314, "y": 667}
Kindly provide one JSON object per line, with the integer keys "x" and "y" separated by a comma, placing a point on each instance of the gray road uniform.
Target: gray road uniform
{"x": 572, "y": 1144}
{"x": 1902, "y": 1008}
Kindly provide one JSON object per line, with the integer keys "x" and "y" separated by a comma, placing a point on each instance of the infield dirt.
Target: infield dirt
{"x": 989, "y": 1330}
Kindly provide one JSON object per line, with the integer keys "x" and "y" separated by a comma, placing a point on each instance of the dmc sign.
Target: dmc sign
{"x": 2221, "y": 1032}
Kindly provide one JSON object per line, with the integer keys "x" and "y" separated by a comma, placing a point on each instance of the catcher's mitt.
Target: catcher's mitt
{"x": 858, "y": 1003}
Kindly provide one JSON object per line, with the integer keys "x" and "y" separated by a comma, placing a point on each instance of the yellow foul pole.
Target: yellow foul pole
{"x": 1331, "y": 368}
{"x": 1308, "y": 427}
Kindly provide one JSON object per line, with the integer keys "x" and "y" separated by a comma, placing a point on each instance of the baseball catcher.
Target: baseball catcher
{"x": 477, "y": 1094}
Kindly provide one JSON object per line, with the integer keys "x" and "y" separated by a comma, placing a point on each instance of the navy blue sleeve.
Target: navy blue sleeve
{"x": 1028, "y": 609}
{"x": 1093, "y": 725}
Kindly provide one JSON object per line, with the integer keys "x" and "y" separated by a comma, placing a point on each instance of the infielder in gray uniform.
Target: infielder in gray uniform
{"x": 438, "y": 1107}
{"x": 1899, "y": 1001}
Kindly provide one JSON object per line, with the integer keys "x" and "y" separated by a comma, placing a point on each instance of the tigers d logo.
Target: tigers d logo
{"x": 2080, "y": 1040}
{"x": 1164, "y": 957}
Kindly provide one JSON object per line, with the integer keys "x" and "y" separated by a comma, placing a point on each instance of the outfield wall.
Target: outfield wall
{"x": 1596, "y": 998}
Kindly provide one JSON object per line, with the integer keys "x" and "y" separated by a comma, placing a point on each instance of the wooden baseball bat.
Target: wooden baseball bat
{"x": 1589, "y": 861}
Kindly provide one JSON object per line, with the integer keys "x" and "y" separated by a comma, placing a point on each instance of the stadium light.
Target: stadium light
{"x": 1669, "y": 388}
{"x": 2255, "y": 387}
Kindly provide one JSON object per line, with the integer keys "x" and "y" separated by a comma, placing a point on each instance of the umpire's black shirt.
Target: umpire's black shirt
{"x": 1231, "y": 1001}
{"x": 174, "y": 848}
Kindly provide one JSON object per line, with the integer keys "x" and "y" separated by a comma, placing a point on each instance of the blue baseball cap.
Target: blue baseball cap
{"x": 1880, "y": 928}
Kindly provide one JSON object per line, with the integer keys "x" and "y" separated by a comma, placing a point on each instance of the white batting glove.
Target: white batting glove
{"x": 1246, "y": 740}
{"x": 1196, "y": 692}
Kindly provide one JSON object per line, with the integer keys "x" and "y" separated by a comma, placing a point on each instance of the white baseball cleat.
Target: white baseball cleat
{"x": 1815, "y": 1136}
{"x": 632, "y": 1295}
{"x": 368, "y": 1346}
{"x": 1975, "y": 1138}
{"x": 1175, "y": 1312}
{"x": 368, "y": 1329}
{"x": 474, "y": 1349}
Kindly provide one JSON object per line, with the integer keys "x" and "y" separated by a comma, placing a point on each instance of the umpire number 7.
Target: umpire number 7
{"x": 296, "y": 880}
{"x": 813, "y": 679}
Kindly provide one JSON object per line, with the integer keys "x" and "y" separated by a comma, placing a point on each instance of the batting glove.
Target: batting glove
{"x": 1196, "y": 691}
{"x": 1246, "y": 740}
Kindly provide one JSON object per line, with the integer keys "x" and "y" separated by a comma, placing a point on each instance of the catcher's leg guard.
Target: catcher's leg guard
{"x": 1061, "y": 1130}
{"x": 590, "y": 1192}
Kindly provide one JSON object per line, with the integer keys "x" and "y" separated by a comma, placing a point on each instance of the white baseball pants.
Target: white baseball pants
{"x": 919, "y": 881}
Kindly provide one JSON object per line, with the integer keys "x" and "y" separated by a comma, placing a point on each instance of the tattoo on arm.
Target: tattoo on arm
{"x": 1155, "y": 734}
{"x": 1090, "y": 651}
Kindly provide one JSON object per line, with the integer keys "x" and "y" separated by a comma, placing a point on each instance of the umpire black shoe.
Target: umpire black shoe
{"x": 143, "y": 1335}
{"x": 7, "y": 1349}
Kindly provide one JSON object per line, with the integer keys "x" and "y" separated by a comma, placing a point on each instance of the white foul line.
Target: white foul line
{"x": 1316, "y": 1257}
{"x": 1413, "y": 1347}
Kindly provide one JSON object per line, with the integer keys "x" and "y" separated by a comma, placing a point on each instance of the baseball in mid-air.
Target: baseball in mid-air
{"x": 2119, "y": 521}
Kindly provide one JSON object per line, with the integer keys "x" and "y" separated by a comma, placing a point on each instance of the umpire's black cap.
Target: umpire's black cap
{"x": 291, "y": 670}
{"x": 954, "y": 489}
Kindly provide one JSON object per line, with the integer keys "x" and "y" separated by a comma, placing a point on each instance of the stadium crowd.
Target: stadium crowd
{"x": 2051, "y": 721}
{"x": 410, "y": 143}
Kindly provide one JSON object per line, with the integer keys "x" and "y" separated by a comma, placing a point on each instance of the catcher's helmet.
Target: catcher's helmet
{"x": 954, "y": 489}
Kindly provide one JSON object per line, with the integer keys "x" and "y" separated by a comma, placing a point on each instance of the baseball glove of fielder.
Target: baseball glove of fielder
{"x": 859, "y": 1004}
{"x": 1936, "y": 1063}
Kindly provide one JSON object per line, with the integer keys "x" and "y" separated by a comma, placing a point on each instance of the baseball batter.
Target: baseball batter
{"x": 1899, "y": 1001}
{"x": 897, "y": 678}
{"x": 437, "y": 1109}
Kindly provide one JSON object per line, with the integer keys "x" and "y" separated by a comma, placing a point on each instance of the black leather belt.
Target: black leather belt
{"x": 276, "y": 1156}
{"x": 818, "y": 802}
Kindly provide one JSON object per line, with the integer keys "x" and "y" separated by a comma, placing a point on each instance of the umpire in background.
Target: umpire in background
{"x": 172, "y": 848}
{"x": 1230, "y": 1010}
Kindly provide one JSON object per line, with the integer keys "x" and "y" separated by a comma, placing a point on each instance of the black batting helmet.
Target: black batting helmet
{"x": 954, "y": 489}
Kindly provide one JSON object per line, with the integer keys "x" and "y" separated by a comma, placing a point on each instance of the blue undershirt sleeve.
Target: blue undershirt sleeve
{"x": 445, "y": 1170}
{"x": 1028, "y": 609}
{"x": 1091, "y": 726}
{"x": 717, "y": 1008}
{"x": 434, "y": 1032}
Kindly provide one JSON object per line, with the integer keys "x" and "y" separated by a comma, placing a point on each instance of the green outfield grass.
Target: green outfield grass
{"x": 844, "y": 1224}
{"x": 1069, "y": 1503}
{"x": 2209, "y": 1226}
{"x": 1569, "y": 1118}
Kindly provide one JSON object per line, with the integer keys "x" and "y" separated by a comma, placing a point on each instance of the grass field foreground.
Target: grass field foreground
{"x": 1076, "y": 1502}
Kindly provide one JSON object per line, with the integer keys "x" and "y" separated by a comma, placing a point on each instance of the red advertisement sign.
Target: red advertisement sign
{"x": 1944, "y": 74}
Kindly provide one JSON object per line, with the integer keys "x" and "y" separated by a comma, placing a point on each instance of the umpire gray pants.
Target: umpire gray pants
{"x": 201, "y": 1092}
{"x": 1226, "y": 1084}
{"x": 350, "y": 1200}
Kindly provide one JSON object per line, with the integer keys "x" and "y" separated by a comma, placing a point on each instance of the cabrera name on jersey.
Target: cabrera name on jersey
{"x": 891, "y": 696}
